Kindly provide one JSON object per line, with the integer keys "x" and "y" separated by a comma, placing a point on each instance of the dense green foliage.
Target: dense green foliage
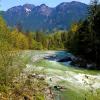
{"x": 11, "y": 42}
{"x": 50, "y": 41}
{"x": 84, "y": 37}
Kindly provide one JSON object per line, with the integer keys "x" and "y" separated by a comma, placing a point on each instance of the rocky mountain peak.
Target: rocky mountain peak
{"x": 44, "y": 17}
{"x": 29, "y": 6}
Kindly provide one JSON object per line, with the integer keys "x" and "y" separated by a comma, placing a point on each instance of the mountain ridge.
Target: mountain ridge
{"x": 45, "y": 18}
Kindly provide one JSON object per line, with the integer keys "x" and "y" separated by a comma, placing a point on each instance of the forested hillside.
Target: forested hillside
{"x": 12, "y": 84}
{"x": 84, "y": 37}
{"x": 82, "y": 40}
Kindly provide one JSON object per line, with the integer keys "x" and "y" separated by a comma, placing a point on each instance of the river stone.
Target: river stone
{"x": 65, "y": 59}
{"x": 91, "y": 66}
{"x": 52, "y": 58}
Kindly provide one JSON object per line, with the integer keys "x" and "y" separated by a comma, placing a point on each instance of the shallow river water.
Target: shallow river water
{"x": 76, "y": 83}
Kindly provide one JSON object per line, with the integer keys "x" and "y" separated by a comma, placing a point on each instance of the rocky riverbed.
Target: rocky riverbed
{"x": 71, "y": 82}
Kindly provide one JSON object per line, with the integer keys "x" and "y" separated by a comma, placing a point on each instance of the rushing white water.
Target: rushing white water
{"x": 62, "y": 74}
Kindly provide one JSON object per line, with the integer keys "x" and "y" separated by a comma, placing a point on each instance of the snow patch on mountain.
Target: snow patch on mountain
{"x": 27, "y": 10}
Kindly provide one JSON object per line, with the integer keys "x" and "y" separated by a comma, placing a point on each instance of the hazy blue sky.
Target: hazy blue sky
{"x": 5, "y": 4}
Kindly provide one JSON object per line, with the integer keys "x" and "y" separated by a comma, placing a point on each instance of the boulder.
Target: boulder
{"x": 79, "y": 62}
{"x": 91, "y": 66}
{"x": 52, "y": 58}
{"x": 65, "y": 59}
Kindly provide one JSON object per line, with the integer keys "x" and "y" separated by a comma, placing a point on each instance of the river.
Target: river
{"x": 67, "y": 82}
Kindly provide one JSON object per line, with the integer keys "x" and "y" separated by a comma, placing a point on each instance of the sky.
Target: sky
{"x": 6, "y": 4}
